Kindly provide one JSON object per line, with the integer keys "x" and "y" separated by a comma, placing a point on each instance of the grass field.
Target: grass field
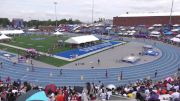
{"x": 45, "y": 59}
{"x": 49, "y": 42}
{"x": 39, "y": 45}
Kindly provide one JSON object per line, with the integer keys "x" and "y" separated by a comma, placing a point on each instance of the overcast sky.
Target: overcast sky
{"x": 81, "y": 9}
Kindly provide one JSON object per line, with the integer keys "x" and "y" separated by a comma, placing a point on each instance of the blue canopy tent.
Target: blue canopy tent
{"x": 151, "y": 53}
{"x": 168, "y": 33}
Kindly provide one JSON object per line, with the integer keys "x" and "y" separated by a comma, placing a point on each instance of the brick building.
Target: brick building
{"x": 146, "y": 19}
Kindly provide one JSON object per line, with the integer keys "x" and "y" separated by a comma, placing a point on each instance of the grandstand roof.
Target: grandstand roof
{"x": 149, "y": 14}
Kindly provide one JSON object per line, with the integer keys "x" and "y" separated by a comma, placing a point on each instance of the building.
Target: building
{"x": 146, "y": 19}
{"x": 17, "y": 23}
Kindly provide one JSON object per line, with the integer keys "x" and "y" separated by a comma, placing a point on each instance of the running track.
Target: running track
{"x": 166, "y": 65}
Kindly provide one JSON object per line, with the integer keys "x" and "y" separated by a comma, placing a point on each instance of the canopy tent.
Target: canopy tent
{"x": 151, "y": 28}
{"x": 132, "y": 27}
{"x": 176, "y": 25}
{"x": 157, "y": 25}
{"x": 168, "y": 33}
{"x": 151, "y": 53}
{"x": 120, "y": 33}
{"x": 4, "y": 37}
{"x": 81, "y": 39}
{"x": 147, "y": 47}
{"x": 32, "y": 29}
{"x": 108, "y": 28}
{"x": 175, "y": 39}
{"x": 123, "y": 29}
{"x": 155, "y": 32}
{"x": 133, "y": 31}
{"x": 131, "y": 59}
{"x": 58, "y": 33}
{"x": 178, "y": 36}
{"x": 175, "y": 30}
{"x": 12, "y": 32}
{"x": 130, "y": 33}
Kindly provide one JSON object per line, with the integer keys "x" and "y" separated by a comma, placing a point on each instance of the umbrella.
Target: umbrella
{"x": 33, "y": 95}
{"x": 169, "y": 79}
{"x": 111, "y": 86}
{"x": 51, "y": 87}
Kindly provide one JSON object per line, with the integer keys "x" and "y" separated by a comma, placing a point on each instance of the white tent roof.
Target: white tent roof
{"x": 157, "y": 25}
{"x": 58, "y": 33}
{"x": 155, "y": 32}
{"x": 178, "y": 36}
{"x": 4, "y": 37}
{"x": 175, "y": 39}
{"x": 151, "y": 28}
{"x": 12, "y": 32}
{"x": 123, "y": 29}
{"x": 131, "y": 59}
{"x": 132, "y": 27}
{"x": 32, "y": 29}
{"x": 176, "y": 25}
{"x": 175, "y": 30}
{"x": 81, "y": 39}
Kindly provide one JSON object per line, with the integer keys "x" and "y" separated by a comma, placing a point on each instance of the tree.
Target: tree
{"x": 4, "y": 22}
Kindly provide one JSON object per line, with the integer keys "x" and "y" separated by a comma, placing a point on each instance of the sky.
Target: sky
{"x": 81, "y": 9}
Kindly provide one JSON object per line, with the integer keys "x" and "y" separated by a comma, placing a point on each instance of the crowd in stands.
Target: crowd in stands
{"x": 142, "y": 90}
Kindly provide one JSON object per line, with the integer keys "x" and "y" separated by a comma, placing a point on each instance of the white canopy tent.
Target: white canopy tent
{"x": 81, "y": 39}
{"x": 178, "y": 36}
{"x": 12, "y": 32}
{"x": 176, "y": 25}
{"x": 132, "y": 27}
{"x": 147, "y": 47}
{"x": 157, "y": 25}
{"x": 32, "y": 29}
{"x": 123, "y": 29}
{"x": 4, "y": 37}
{"x": 175, "y": 30}
{"x": 131, "y": 59}
{"x": 155, "y": 34}
{"x": 150, "y": 28}
{"x": 58, "y": 33}
{"x": 175, "y": 40}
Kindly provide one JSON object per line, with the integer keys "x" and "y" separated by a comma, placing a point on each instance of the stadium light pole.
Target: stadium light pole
{"x": 55, "y": 4}
{"x": 92, "y": 11}
{"x": 170, "y": 19}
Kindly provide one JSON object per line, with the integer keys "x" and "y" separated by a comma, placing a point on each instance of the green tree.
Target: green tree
{"x": 4, "y": 22}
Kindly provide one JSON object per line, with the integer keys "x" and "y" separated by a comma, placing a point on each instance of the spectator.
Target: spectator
{"x": 175, "y": 96}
